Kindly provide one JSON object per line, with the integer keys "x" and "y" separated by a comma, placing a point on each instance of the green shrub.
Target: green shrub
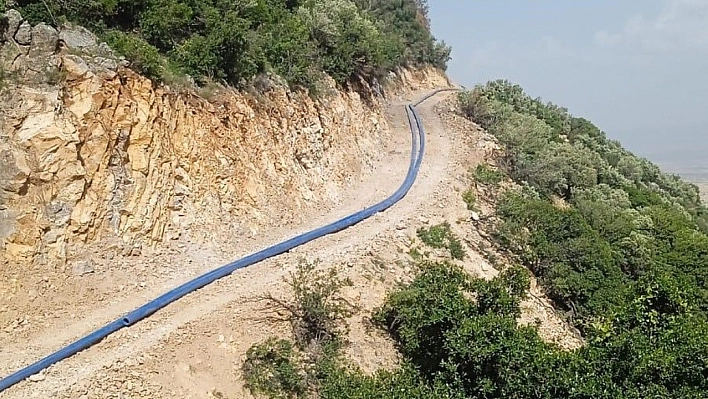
{"x": 233, "y": 41}
{"x": 3, "y": 77}
{"x": 289, "y": 42}
{"x": 470, "y": 199}
{"x": 318, "y": 307}
{"x": 405, "y": 28}
{"x": 354, "y": 43}
{"x": 474, "y": 106}
{"x": 419, "y": 315}
{"x": 142, "y": 56}
{"x": 484, "y": 174}
{"x": 272, "y": 368}
{"x": 415, "y": 254}
{"x": 399, "y": 384}
{"x": 435, "y": 236}
{"x": 441, "y": 236}
{"x": 166, "y": 22}
{"x": 457, "y": 251}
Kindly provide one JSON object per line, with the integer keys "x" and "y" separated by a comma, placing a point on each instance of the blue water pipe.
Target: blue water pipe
{"x": 417, "y": 151}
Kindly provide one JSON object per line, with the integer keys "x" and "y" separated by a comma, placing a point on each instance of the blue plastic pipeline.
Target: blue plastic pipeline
{"x": 417, "y": 151}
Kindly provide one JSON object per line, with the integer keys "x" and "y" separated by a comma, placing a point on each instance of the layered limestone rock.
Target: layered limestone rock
{"x": 94, "y": 156}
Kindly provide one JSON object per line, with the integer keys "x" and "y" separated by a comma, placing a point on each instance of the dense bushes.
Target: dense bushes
{"x": 619, "y": 244}
{"x": 540, "y": 137}
{"x": 462, "y": 333}
{"x": 144, "y": 57}
{"x": 405, "y": 24}
{"x": 273, "y": 369}
{"x": 232, "y": 41}
{"x": 459, "y": 338}
{"x": 623, "y": 216}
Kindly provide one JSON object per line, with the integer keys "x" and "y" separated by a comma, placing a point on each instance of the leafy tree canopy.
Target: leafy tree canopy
{"x": 231, "y": 41}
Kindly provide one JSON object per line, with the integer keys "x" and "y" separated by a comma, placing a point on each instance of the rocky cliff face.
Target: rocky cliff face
{"x": 95, "y": 157}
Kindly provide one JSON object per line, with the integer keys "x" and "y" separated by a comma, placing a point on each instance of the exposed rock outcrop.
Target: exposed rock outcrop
{"x": 95, "y": 156}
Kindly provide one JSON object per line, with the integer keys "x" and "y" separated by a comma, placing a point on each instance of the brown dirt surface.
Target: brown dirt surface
{"x": 195, "y": 348}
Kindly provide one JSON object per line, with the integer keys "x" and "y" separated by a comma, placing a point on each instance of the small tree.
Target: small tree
{"x": 279, "y": 369}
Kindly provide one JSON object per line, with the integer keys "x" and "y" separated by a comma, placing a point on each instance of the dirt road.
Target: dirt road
{"x": 224, "y": 313}
{"x": 195, "y": 347}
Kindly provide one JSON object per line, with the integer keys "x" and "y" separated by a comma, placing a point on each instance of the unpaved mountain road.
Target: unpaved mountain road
{"x": 195, "y": 347}
{"x": 104, "y": 370}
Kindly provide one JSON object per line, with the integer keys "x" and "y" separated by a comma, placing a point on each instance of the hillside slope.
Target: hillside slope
{"x": 103, "y": 170}
{"x": 115, "y": 188}
{"x": 141, "y": 350}
{"x": 196, "y": 348}
{"x": 618, "y": 245}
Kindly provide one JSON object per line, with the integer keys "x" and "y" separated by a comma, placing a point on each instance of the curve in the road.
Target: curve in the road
{"x": 417, "y": 151}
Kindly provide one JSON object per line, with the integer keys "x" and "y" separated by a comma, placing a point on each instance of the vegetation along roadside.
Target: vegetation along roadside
{"x": 231, "y": 42}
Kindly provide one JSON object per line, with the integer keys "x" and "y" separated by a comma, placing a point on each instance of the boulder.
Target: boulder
{"x": 106, "y": 63}
{"x": 44, "y": 40}
{"x": 14, "y": 172}
{"x": 24, "y": 34}
{"x": 13, "y": 20}
{"x": 83, "y": 267}
{"x": 75, "y": 66}
{"x": 77, "y": 37}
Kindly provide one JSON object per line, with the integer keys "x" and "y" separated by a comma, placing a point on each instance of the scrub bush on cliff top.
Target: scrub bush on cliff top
{"x": 232, "y": 41}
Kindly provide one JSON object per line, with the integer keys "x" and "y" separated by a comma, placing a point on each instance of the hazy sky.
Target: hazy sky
{"x": 637, "y": 68}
